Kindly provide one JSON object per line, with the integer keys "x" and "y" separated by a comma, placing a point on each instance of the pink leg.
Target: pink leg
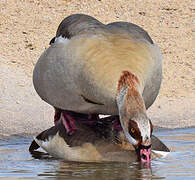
{"x": 57, "y": 115}
{"x": 69, "y": 119}
{"x": 66, "y": 118}
{"x": 69, "y": 122}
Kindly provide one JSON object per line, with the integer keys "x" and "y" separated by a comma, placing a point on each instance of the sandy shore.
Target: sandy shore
{"x": 27, "y": 27}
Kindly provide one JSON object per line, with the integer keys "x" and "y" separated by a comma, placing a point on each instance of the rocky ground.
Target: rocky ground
{"x": 26, "y": 27}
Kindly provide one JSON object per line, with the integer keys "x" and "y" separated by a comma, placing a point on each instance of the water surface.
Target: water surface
{"x": 17, "y": 163}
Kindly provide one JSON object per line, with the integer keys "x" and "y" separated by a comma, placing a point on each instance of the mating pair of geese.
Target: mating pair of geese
{"x": 89, "y": 69}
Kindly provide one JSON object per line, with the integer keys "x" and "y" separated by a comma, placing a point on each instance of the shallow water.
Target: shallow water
{"x": 17, "y": 163}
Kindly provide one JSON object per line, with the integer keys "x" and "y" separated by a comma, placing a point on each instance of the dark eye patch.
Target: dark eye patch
{"x": 151, "y": 128}
{"x": 134, "y": 130}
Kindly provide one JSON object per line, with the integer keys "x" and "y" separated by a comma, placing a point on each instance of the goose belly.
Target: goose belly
{"x": 87, "y": 152}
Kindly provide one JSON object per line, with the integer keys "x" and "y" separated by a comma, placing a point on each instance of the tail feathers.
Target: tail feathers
{"x": 34, "y": 146}
{"x": 42, "y": 136}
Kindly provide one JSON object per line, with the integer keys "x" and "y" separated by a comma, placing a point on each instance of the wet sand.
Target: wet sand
{"x": 27, "y": 27}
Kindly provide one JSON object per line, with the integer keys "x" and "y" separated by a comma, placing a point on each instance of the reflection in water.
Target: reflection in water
{"x": 16, "y": 161}
{"x": 102, "y": 171}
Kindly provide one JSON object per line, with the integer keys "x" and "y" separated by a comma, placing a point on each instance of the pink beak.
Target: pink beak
{"x": 145, "y": 155}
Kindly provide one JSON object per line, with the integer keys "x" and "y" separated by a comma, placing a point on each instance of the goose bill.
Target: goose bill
{"x": 144, "y": 153}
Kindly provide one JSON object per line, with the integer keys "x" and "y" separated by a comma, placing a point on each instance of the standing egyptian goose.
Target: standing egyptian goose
{"x": 100, "y": 140}
{"x": 93, "y": 68}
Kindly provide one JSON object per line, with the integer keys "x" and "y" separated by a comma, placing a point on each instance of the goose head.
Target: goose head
{"x": 137, "y": 127}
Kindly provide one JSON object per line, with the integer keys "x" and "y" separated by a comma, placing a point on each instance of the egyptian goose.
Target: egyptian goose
{"x": 93, "y": 68}
{"x": 101, "y": 140}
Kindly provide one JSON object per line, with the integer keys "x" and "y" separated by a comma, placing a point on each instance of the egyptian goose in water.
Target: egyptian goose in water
{"x": 101, "y": 140}
{"x": 93, "y": 68}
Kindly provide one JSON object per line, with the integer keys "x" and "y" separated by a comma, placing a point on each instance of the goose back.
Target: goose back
{"x": 86, "y": 61}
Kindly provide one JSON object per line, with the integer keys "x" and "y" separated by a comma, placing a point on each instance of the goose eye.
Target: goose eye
{"x": 132, "y": 130}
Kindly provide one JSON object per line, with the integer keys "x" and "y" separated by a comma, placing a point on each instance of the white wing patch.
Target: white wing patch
{"x": 60, "y": 39}
{"x": 161, "y": 154}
